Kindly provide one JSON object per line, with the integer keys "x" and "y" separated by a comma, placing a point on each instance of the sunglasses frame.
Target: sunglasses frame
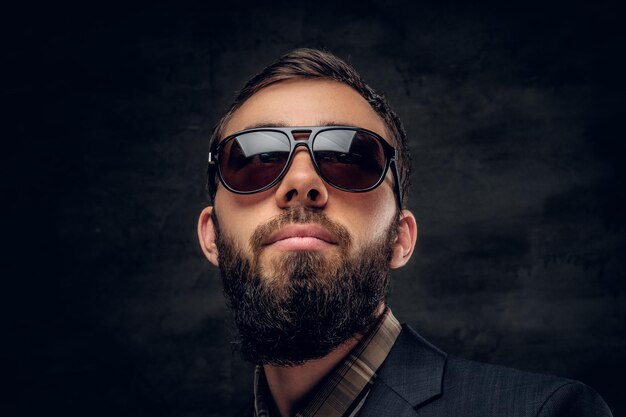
{"x": 389, "y": 151}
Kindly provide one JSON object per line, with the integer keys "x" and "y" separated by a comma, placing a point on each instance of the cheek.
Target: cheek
{"x": 239, "y": 216}
{"x": 366, "y": 215}
{"x": 372, "y": 226}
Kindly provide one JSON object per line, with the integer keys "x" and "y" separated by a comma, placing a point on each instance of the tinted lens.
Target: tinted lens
{"x": 253, "y": 160}
{"x": 349, "y": 159}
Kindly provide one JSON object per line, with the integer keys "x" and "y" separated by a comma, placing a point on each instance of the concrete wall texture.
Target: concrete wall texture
{"x": 515, "y": 115}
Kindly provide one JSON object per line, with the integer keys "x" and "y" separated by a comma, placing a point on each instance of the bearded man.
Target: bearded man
{"x": 309, "y": 176}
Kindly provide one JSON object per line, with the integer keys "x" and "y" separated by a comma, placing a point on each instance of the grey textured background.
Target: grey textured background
{"x": 515, "y": 114}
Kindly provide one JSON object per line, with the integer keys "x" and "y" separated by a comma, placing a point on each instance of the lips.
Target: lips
{"x": 301, "y": 237}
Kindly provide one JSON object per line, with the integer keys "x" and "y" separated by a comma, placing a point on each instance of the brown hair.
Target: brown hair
{"x": 315, "y": 63}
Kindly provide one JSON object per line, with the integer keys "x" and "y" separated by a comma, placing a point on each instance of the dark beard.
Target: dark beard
{"x": 315, "y": 302}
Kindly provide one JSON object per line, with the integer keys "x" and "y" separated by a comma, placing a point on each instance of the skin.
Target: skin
{"x": 307, "y": 102}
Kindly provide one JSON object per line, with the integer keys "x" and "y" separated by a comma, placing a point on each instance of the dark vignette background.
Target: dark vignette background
{"x": 515, "y": 115}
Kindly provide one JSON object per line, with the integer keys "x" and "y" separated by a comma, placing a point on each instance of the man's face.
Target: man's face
{"x": 305, "y": 102}
{"x": 303, "y": 249}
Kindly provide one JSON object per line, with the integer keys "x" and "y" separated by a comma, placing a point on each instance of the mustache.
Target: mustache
{"x": 299, "y": 215}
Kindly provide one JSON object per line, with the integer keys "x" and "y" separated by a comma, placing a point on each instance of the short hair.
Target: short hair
{"x": 319, "y": 64}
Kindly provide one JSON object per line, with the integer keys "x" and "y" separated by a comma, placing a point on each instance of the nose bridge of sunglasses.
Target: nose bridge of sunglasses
{"x": 300, "y": 135}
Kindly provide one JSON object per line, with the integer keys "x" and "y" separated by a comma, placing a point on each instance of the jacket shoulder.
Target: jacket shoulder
{"x": 484, "y": 389}
{"x": 505, "y": 391}
{"x": 470, "y": 388}
{"x": 574, "y": 399}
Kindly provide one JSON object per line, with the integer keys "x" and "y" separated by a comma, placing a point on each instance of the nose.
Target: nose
{"x": 301, "y": 185}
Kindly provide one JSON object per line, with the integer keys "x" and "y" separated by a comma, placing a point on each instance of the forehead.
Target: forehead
{"x": 306, "y": 102}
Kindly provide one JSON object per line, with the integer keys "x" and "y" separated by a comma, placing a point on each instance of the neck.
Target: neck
{"x": 289, "y": 385}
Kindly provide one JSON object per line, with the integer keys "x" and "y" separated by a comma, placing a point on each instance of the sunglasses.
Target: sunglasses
{"x": 348, "y": 158}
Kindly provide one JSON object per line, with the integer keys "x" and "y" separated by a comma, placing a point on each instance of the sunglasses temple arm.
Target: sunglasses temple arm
{"x": 396, "y": 180}
{"x": 211, "y": 175}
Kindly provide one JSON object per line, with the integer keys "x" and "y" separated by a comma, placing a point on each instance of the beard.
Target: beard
{"x": 303, "y": 304}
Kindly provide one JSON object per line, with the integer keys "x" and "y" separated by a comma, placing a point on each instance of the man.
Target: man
{"x": 308, "y": 172}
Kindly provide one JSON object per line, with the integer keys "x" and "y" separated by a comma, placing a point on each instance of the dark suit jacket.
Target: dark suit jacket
{"x": 417, "y": 379}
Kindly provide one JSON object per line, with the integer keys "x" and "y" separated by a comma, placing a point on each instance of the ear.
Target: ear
{"x": 206, "y": 235}
{"x": 405, "y": 241}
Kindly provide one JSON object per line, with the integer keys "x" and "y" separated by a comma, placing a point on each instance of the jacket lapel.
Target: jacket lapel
{"x": 384, "y": 401}
{"x": 411, "y": 375}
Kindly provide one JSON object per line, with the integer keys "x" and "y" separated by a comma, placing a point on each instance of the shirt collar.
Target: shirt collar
{"x": 343, "y": 391}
